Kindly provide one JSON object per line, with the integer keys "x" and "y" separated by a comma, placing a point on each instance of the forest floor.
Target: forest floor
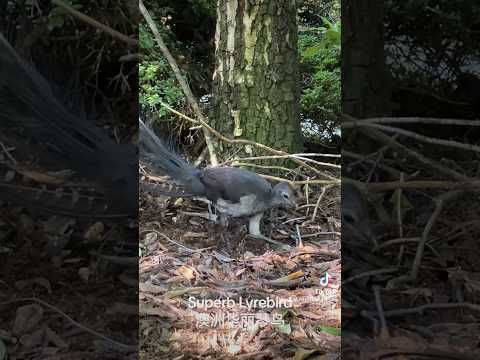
{"x": 415, "y": 294}
{"x": 58, "y": 298}
{"x": 184, "y": 262}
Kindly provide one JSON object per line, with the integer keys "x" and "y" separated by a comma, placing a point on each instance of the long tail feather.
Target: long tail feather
{"x": 28, "y": 102}
{"x": 167, "y": 162}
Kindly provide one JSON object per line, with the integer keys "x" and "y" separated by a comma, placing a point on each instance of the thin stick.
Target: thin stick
{"x": 317, "y": 205}
{"x": 292, "y": 156}
{"x": 6, "y": 151}
{"x": 95, "y": 23}
{"x": 380, "y": 312}
{"x": 421, "y": 138}
{"x": 410, "y": 120}
{"x": 369, "y": 273}
{"x": 426, "y": 162}
{"x": 77, "y": 324}
{"x": 244, "y": 142}
{"x": 168, "y": 239}
{"x": 433, "y": 306}
{"x": 424, "y": 184}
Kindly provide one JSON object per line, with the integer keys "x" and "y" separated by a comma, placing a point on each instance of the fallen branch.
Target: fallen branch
{"x": 90, "y": 21}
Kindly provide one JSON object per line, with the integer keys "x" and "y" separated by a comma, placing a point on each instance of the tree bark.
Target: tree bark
{"x": 256, "y": 83}
{"x": 365, "y": 80}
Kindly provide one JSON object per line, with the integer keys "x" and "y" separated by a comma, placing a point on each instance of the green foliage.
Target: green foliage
{"x": 330, "y": 330}
{"x": 204, "y": 7}
{"x": 181, "y": 23}
{"x": 311, "y": 11}
{"x": 157, "y": 81}
{"x": 319, "y": 50}
{"x": 441, "y": 35}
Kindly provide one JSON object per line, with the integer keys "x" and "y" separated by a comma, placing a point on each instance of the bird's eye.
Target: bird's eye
{"x": 285, "y": 196}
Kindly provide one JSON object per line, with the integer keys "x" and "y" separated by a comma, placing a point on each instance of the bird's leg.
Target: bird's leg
{"x": 223, "y": 221}
{"x": 254, "y": 225}
{"x": 212, "y": 216}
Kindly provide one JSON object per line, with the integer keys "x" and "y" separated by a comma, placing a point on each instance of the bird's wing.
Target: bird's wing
{"x": 231, "y": 184}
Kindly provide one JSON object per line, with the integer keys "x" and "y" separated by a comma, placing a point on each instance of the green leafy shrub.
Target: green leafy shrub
{"x": 319, "y": 49}
{"x": 157, "y": 81}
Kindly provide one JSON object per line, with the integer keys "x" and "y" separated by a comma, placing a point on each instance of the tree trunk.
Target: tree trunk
{"x": 256, "y": 84}
{"x": 365, "y": 84}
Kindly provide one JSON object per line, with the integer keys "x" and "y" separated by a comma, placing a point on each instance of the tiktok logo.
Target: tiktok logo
{"x": 324, "y": 279}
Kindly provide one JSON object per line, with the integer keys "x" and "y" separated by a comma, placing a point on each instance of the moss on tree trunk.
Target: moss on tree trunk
{"x": 256, "y": 84}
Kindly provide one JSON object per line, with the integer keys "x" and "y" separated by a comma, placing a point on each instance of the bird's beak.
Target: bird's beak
{"x": 293, "y": 203}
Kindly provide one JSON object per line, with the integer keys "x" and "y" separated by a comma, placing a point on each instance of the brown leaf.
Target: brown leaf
{"x": 186, "y": 272}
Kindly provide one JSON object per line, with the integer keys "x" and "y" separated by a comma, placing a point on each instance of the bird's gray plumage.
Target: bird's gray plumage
{"x": 235, "y": 192}
{"x": 356, "y": 225}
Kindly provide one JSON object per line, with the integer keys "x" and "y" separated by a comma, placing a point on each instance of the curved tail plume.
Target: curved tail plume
{"x": 167, "y": 162}
{"x": 29, "y": 107}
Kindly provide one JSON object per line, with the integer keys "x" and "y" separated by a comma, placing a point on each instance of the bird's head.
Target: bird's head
{"x": 284, "y": 195}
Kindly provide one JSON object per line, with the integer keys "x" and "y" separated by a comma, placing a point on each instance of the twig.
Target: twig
{"x": 423, "y": 184}
{"x": 403, "y": 241}
{"x": 317, "y": 205}
{"x": 270, "y": 167}
{"x": 68, "y": 318}
{"x": 95, "y": 23}
{"x": 428, "y": 352}
{"x": 6, "y": 151}
{"x": 168, "y": 239}
{"x": 292, "y": 156}
{"x": 369, "y": 273}
{"x": 418, "y": 137}
{"x": 440, "y": 202}
{"x": 429, "y": 163}
{"x": 244, "y": 142}
{"x": 381, "y": 316}
{"x": 392, "y": 171}
{"x": 410, "y": 120}
{"x": 391, "y": 242}
{"x": 298, "y": 238}
{"x": 399, "y": 202}
{"x": 422, "y": 308}
{"x": 302, "y": 182}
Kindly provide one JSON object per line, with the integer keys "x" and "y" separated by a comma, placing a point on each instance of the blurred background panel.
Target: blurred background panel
{"x": 410, "y": 190}
{"x": 69, "y": 179}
